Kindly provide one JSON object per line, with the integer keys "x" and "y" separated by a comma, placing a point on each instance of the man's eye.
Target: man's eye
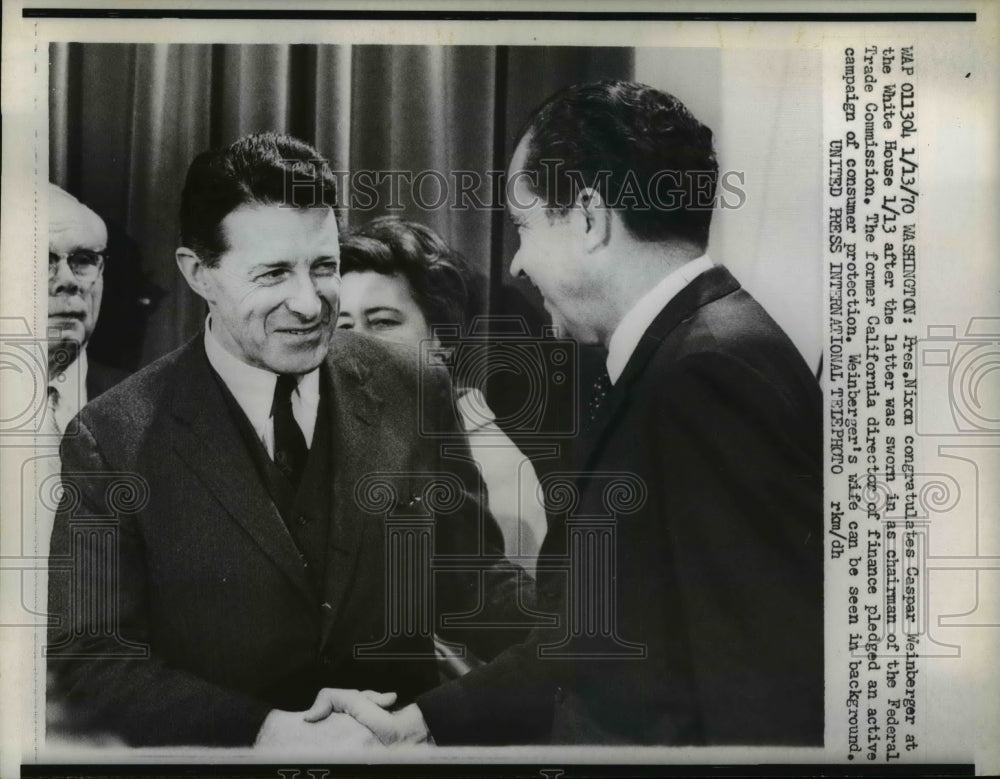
{"x": 328, "y": 268}
{"x": 345, "y": 324}
{"x": 83, "y": 257}
{"x": 272, "y": 276}
{"x": 383, "y": 323}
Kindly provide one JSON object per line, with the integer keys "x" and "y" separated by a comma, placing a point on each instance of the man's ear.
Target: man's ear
{"x": 596, "y": 219}
{"x": 440, "y": 355}
{"x": 194, "y": 270}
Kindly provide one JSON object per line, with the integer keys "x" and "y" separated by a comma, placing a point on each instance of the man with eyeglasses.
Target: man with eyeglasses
{"x": 77, "y": 241}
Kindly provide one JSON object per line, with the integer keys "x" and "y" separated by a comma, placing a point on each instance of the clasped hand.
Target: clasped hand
{"x": 344, "y": 720}
{"x": 371, "y": 709}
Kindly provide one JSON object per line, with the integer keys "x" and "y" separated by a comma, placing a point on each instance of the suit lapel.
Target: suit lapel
{"x": 207, "y": 439}
{"x": 711, "y": 285}
{"x": 357, "y": 450}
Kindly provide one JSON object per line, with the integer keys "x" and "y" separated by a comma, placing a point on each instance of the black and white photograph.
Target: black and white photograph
{"x": 543, "y": 388}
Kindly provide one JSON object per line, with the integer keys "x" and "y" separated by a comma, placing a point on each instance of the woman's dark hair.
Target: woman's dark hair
{"x": 444, "y": 286}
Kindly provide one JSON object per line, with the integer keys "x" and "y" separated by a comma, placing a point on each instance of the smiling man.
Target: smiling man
{"x": 250, "y": 566}
{"x": 719, "y": 569}
{"x": 703, "y": 621}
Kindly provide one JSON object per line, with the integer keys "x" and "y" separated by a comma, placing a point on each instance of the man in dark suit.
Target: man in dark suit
{"x": 694, "y": 613}
{"x": 77, "y": 242}
{"x": 241, "y": 515}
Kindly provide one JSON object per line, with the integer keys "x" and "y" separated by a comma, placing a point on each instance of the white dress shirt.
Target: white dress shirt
{"x": 70, "y": 392}
{"x": 511, "y": 482}
{"x": 638, "y": 319}
{"x": 253, "y": 389}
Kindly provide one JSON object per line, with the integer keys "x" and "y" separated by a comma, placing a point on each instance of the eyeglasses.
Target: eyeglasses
{"x": 86, "y": 264}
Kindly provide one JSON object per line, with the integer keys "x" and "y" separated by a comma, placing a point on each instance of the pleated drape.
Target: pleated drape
{"x": 417, "y": 110}
{"x": 126, "y": 121}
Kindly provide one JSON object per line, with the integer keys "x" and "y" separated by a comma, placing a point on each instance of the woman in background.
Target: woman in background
{"x": 403, "y": 283}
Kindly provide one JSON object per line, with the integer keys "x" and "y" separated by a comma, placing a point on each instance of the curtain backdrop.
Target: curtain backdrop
{"x": 126, "y": 120}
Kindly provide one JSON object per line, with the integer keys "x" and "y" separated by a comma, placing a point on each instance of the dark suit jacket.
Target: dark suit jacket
{"x": 717, "y": 587}
{"x": 101, "y": 378}
{"x": 204, "y": 620}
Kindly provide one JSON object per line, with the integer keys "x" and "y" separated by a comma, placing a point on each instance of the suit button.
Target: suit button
{"x": 559, "y": 695}
{"x": 327, "y": 607}
{"x": 302, "y": 520}
{"x": 327, "y": 661}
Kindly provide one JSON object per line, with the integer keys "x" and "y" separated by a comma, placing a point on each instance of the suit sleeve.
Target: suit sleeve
{"x": 719, "y": 577}
{"x": 508, "y": 700}
{"x": 103, "y": 678}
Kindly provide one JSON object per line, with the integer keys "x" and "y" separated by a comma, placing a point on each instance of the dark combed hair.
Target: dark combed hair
{"x": 265, "y": 169}
{"x": 444, "y": 286}
{"x": 621, "y": 137}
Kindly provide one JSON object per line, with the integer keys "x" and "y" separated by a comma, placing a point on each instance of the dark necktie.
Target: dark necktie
{"x": 596, "y": 415}
{"x": 52, "y": 426}
{"x": 290, "y": 450}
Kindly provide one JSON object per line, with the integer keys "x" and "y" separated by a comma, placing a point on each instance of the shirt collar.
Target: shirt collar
{"x": 253, "y": 387}
{"x": 472, "y": 409}
{"x": 638, "y": 319}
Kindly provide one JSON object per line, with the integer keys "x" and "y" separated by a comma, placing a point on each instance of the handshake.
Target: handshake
{"x": 344, "y": 720}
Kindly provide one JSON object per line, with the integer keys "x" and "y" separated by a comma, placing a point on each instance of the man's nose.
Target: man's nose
{"x": 304, "y": 300}
{"x": 64, "y": 279}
